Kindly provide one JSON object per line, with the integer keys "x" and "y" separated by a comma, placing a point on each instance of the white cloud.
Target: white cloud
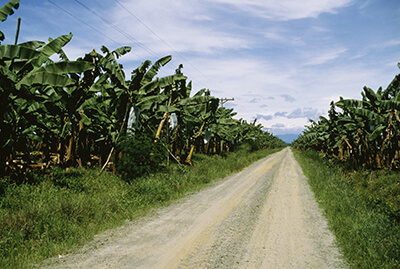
{"x": 319, "y": 29}
{"x": 388, "y": 44}
{"x": 288, "y": 98}
{"x": 239, "y": 77}
{"x": 318, "y": 57}
{"x": 181, "y": 27}
{"x": 280, "y": 114}
{"x": 265, "y": 117}
{"x": 281, "y": 36}
{"x": 308, "y": 112}
{"x": 288, "y": 9}
{"x": 284, "y": 126}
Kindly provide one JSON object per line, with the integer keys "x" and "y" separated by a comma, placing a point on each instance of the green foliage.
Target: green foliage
{"x": 60, "y": 210}
{"x": 63, "y": 208}
{"x": 140, "y": 156}
{"x": 362, "y": 208}
{"x": 77, "y": 110}
{"x": 7, "y": 10}
{"x": 365, "y": 133}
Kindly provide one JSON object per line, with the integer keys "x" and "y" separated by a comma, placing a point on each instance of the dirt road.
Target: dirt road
{"x": 262, "y": 217}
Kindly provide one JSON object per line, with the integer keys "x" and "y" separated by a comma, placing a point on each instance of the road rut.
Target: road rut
{"x": 263, "y": 217}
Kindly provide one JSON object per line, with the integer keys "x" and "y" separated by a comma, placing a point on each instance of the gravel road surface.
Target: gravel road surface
{"x": 263, "y": 217}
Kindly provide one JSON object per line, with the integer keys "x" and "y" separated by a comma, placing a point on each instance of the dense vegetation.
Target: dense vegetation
{"x": 362, "y": 208}
{"x": 75, "y": 113}
{"x": 365, "y": 133}
{"x": 62, "y": 123}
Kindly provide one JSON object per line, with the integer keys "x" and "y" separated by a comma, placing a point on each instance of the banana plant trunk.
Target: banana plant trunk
{"x": 189, "y": 157}
{"x": 161, "y": 125}
{"x": 83, "y": 148}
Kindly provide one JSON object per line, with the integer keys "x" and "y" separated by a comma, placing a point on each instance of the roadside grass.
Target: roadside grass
{"x": 58, "y": 211}
{"x": 362, "y": 208}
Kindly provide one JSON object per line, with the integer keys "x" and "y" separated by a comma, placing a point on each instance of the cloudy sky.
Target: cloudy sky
{"x": 283, "y": 61}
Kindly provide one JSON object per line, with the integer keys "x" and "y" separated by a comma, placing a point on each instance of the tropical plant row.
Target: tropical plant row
{"x": 364, "y": 133}
{"x": 75, "y": 112}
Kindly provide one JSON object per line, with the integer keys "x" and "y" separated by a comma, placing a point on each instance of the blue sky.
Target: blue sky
{"x": 282, "y": 61}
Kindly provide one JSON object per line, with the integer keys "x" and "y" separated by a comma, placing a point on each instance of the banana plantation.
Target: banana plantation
{"x": 74, "y": 113}
{"x": 363, "y": 132}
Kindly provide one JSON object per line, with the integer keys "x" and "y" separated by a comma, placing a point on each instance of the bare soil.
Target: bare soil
{"x": 262, "y": 217}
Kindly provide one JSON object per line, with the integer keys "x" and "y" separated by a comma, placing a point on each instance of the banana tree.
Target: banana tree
{"x": 197, "y": 112}
{"x": 224, "y": 129}
{"x": 29, "y": 80}
{"x": 366, "y": 118}
{"x": 365, "y": 132}
{"x": 111, "y": 101}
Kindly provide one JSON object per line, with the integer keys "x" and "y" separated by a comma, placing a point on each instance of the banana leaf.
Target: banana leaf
{"x": 150, "y": 74}
{"x": 10, "y": 52}
{"x": 45, "y": 78}
{"x": 7, "y": 10}
{"x": 66, "y": 67}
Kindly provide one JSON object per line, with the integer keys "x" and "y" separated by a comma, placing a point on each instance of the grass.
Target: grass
{"x": 58, "y": 211}
{"x": 362, "y": 208}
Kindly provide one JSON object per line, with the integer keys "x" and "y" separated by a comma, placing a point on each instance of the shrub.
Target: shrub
{"x": 140, "y": 155}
